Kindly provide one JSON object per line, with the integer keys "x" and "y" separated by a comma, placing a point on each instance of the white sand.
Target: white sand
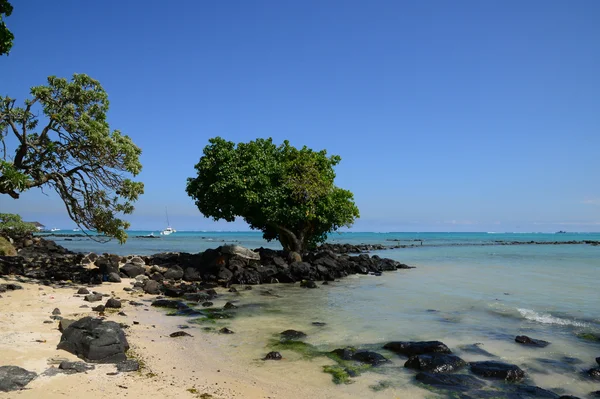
{"x": 185, "y": 367}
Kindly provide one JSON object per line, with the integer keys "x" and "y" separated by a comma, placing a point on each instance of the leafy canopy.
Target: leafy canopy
{"x": 74, "y": 152}
{"x": 13, "y": 226}
{"x": 285, "y": 192}
{"x": 6, "y": 36}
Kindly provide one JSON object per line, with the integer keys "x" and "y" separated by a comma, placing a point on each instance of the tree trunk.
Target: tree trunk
{"x": 289, "y": 241}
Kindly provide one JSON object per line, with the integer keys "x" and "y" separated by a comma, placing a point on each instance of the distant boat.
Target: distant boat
{"x": 76, "y": 229}
{"x": 169, "y": 230}
{"x": 561, "y": 232}
{"x": 54, "y": 229}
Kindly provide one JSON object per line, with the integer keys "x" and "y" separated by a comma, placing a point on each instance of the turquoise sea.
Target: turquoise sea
{"x": 465, "y": 289}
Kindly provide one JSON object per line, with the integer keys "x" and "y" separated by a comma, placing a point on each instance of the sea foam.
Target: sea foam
{"x": 547, "y": 318}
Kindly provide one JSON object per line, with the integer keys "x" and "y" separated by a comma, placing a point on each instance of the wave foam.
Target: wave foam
{"x": 549, "y": 319}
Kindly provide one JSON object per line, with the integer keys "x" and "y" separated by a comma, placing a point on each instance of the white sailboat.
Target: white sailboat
{"x": 169, "y": 230}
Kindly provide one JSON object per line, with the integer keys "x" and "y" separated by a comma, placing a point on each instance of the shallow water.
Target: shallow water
{"x": 458, "y": 294}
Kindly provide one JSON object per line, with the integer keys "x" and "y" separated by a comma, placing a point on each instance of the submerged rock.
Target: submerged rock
{"x": 416, "y": 348}
{"x": 13, "y": 378}
{"x": 94, "y": 340}
{"x": 453, "y": 382}
{"x": 272, "y": 356}
{"x": 368, "y": 357}
{"x": 225, "y": 330}
{"x": 497, "y": 370}
{"x": 525, "y": 340}
{"x": 476, "y": 349}
{"x": 435, "y": 363}
{"x": 179, "y": 334}
{"x": 292, "y": 335}
{"x": 169, "y": 303}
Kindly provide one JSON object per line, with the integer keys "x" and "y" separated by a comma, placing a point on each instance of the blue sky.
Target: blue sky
{"x": 448, "y": 116}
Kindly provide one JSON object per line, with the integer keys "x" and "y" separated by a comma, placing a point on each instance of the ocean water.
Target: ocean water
{"x": 464, "y": 290}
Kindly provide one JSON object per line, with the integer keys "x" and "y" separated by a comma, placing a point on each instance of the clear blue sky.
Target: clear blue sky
{"x": 448, "y": 116}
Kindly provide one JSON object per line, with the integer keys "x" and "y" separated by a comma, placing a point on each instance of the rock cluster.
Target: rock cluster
{"x": 163, "y": 273}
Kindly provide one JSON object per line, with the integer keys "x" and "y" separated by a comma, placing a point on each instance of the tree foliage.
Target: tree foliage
{"x": 73, "y": 151}
{"x": 6, "y": 36}
{"x": 287, "y": 193}
{"x": 13, "y": 226}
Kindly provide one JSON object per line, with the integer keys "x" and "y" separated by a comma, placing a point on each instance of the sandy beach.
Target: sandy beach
{"x": 28, "y": 342}
{"x": 171, "y": 367}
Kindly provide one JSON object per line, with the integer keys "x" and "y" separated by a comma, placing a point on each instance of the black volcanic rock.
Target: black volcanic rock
{"x": 416, "y": 348}
{"x": 94, "y": 340}
{"x": 435, "y": 363}
{"x": 497, "y": 370}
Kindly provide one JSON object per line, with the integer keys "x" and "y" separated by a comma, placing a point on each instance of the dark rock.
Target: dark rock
{"x": 128, "y": 365}
{"x": 99, "y": 308}
{"x": 318, "y": 323}
{"x": 225, "y": 330}
{"x": 94, "y": 340}
{"x": 595, "y": 394}
{"x": 75, "y": 367}
{"x": 292, "y": 335}
{"x": 273, "y": 356}
{"x": 174, "y": 273}
{"x": 113, "y": 303}
{"x": 594, "y": 373}
{"x": 232, "y": 289}
{"x": 207, "y": 304}
{"x": 152, "y": 287}
{"x": 56, "y": 317}
{"x": 56, "y": 311}
{"x": 308, "y": 284}
{"x": 344, "y": 353}
{"x": 114, "y": 277}
{"x": 435, "y": 363}
{"x": 121, "y": 313}
{"x": 525, "y": 340}
{"x": 372, "y": 358}
{"x": 192, "y": 274}
{"x": 248, "y": 288}
{"x": 229, "y": 305}
{"x": 497, "y": 370}
{"x": 416, "y": 348}
{"x": 93, "y": 297}
{"x": 529, "y": 391}
{"x": 64, "y": 324}
{"x": 179, "y": 334}
{"x": 132, "y": 270}
{"x": 199, "y": 296}
{"x": 452, "y": 382}
{"x": 169, "y": 303}
{"x": 476, "y": 349}
{"x": 239, "y": 251}
{"x": 13, "y": 378}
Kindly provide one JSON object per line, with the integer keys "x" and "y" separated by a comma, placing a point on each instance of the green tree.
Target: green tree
{"x": 6, "y": 36}
{"x": 285, "y": 192}
{"x": 75, "y": 153}
{"x": 13, "y": 226}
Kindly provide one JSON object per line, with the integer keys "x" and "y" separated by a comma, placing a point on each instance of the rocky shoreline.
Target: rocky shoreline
{"x": 187, "y": 284}
{"x": 175, "y": 273}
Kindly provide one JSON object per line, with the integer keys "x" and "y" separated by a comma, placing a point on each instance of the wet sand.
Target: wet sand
{"x": 186, "y": 367}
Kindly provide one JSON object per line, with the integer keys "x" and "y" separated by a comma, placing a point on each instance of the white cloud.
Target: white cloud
{"x": 591, "y": 201}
